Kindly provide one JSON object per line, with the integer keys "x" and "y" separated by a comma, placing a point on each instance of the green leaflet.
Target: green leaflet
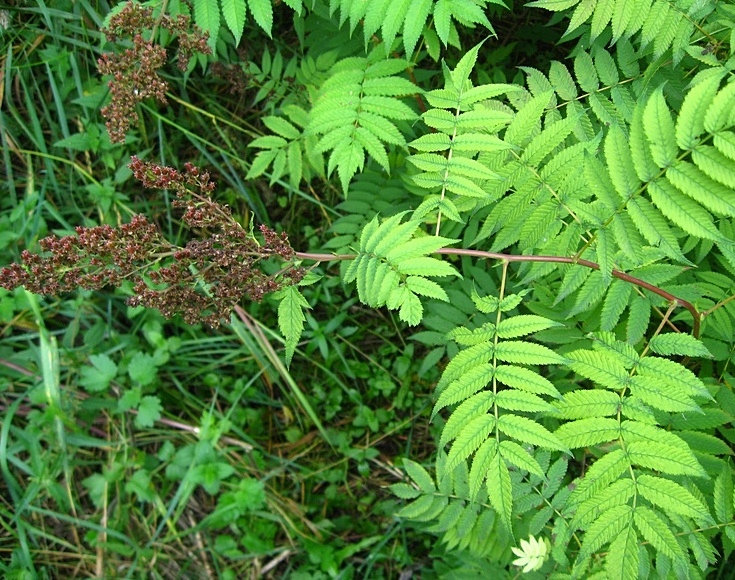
{"x": 664, "y": 458}
{"x": 659, "y": 128}
{"x": 588, "y": 432}
{"x": 600, "y": 367}
{"x": 526, "y": 380}
{"x": 600, "y": 475}
{"x": 657, "y": 532}
{"x": 420, "y": 476}
{"x": 475, "y": 406}
{"x": 616, "y": 494}
{"x": 466, "y": 385}
{"x": 604, "y": 529}
{"x": 499, "y": 490}
{"x": 262, "y": 11}
{"x": 287, "y": 150}
{"x": 672, "y": 343}
{"x": 234, "y": 12}
{"x": 391, "y": 267}
{"x": 518, "y": 456}
{"x": 528, "y": 431}
{"x": 291, "y": 317}
{"x": 690, "y": 123}
{"x": 473, "y": 434}
{"x": 623, "y": 556}
{"x": 582, "y": 404}
{"x": 457, "y": 117}
{"x": 355, "y": 109}
{"x": 723, "y": 497}
{"x": 672, "y": 498}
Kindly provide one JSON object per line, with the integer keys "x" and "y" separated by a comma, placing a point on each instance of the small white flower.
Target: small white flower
{"x": 532, "y": 554}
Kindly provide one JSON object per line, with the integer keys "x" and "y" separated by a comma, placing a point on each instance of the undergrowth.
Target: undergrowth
{"x": 460, "y": 304}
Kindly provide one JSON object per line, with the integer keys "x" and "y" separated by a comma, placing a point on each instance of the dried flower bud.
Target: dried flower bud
{"x": 201, "y": 281}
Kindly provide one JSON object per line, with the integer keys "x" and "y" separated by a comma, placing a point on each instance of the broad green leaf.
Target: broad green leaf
{"x": 465, "y": 360}
{"x": 414, "y": 25}
{"x": 616, "y": 301}
{"x": 411, "y": 310}
{"x": 691, "y": 181}
{"x": 647, "y": 432}
{"x": 417, "y": 508}
{"x": 668, "y": 371}
{"x": 662, "y": 396}
{"x": 683, "y": 211}
{"x": 708, "y": 418}
{"x": 584, "y": 67}
{"x": 620, "y": 163}
{"x": 723, "y": 497}
{"x": 719, "y": 112}
{"x": 654, "y": 227}
{"x": 432, "y": 142}
{"x": 404, "y": 491}
{"x": 388, "y": 234}
{"x": 140, "y": 484}
{"x": 149, "y": 411}
{"x": 425, "y": 266}
{"x": 395, "y": 15}
{"x": 561, "y": 80}
{"x": 527, "y": 121}
{"x": 234, "y": 12}
{"x": 98, "y": 377}
{"x": 714, "y": 164}
{"x": 473, "y": 142}
{"x": 641, "y": 148}
{"x": 418, "y": 246}
{"x": 549, "y": 139}
{"x": 142, "y": 368}
{"x": 528, "y": 431}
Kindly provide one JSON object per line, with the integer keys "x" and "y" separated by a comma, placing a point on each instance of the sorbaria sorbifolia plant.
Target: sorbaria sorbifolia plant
{"x": 567, "y": 241}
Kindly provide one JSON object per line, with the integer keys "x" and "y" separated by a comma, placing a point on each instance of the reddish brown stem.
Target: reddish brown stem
{"x": 557, "y": 259}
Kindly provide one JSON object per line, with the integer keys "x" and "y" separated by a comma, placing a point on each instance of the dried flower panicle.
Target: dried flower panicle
{"x": 202, "y": 281}
{"x": 134, "y": 71}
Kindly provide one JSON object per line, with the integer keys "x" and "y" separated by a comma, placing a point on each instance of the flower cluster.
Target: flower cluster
{"x": 202, "y": 280}
{"x": 134, "y": 71}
